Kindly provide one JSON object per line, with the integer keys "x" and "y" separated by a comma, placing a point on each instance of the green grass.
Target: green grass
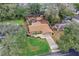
{"x": 20, "y": 21}
{"x": 16, "y": 21}
{"x": 33, "y": 46}
{"x": 37, "y": 46}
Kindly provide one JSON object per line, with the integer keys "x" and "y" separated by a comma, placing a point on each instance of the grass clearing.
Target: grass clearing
{"x": 36, "y": 46}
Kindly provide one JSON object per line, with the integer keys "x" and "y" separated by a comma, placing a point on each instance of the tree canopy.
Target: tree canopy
{"x": 55, "y": 13}
{"x": 7, "y": 11}
{"x": 77, "y": 6}
{"x": 70, "y": 39}
{"x": 34, "y": 8}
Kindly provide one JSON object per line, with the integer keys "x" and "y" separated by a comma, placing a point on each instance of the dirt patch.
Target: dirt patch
{"x": 33, "y": 48}
{"x": 57, "y": 34}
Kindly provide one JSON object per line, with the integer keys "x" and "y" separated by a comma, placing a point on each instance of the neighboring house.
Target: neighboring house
{"x": 38, "y": 25}
{"x": 76, "y": 18}
{"x": 61, "y": 25}
{"x": 77, "y": 13}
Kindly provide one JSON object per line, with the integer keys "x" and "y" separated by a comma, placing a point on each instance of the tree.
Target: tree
{"x": 7, "y": 11}
{"x": 70, "y": 39}
{"x": 12, "y": 11}
{"x": 51, "y": 13}
{"x": 21, "y": 11}
{"x": 34, "y": 8}
{"x": 13, "y": 44}
{"x": 57, "y": 12}
{"x": 64, "y": 11}
{"x": 76, "y": 6}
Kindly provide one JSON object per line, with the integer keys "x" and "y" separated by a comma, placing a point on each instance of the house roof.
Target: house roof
{"x": 44, "y": 28}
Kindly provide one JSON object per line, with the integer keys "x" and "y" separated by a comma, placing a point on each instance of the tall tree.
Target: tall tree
{"x": 21, "y": 11}
{"x": 70, "y": 39}
{"x": 76, "y": 6}
{"x": 56, "y": 12}
{"x": 34, "y": 8}
{"x": 7, "y": 11}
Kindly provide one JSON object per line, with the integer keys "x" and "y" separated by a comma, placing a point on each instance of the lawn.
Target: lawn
{"x": 20, "y": 21}
{"x": 16, "y": 21}
{"x": 34, "y": 46}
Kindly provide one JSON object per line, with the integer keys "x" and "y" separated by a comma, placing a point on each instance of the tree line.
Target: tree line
{"x": 53, "y": 12}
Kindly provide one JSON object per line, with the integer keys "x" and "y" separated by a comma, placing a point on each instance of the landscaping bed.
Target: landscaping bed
{"x": 57, "y": 34}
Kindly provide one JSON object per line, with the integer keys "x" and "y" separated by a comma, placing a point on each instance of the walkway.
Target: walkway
{"x": 51, "y": 42}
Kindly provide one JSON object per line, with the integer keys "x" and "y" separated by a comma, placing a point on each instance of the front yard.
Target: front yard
{"x": 36, "y": 46}
{"x": 30, "y": 45}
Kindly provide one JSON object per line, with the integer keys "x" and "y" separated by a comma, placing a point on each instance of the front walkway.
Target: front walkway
{"x": 51, "y": 42}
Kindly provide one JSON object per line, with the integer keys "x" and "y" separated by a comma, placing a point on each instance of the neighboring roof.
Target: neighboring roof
{"x": 76, "y": 17}
{"x": 44, "y": 28}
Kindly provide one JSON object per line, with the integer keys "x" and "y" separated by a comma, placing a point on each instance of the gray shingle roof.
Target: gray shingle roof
{"x": 76, "y": 17}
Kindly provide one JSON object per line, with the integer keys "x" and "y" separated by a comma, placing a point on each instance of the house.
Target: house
{"x": 38, "y": 25}
{"x": 39, "y": 28}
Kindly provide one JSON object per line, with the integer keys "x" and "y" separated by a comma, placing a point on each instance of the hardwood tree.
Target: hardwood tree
{"x": 70, "y": 39}
{"x": 34, "y": 8}
{"x": 7, "y": 11}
